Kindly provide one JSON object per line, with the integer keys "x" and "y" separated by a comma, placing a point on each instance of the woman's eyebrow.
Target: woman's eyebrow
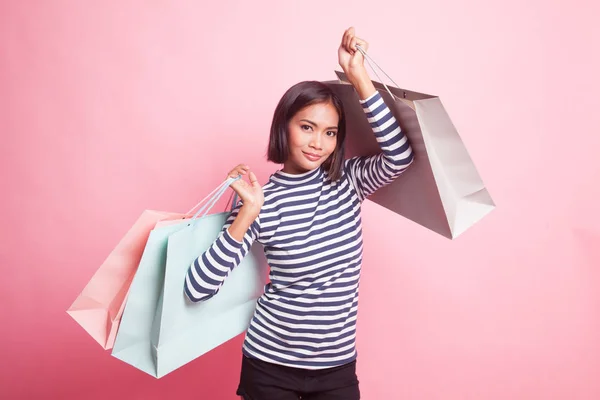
{"x": 312, "y": 123}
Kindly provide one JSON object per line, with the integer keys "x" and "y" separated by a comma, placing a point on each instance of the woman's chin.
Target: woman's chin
{"x": 303, "y": 164}
{"x": 310, "y": 165}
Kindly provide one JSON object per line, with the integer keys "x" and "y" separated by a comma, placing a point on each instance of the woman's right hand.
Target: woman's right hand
{"x": 251, "y": 193}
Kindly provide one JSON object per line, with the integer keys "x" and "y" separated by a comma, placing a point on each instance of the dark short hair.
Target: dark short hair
{"x": 296, "y": 98}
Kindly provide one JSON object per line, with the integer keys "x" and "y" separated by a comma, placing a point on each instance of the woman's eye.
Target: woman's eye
{"x": 332, "y": 133}
{"x": 306, "y": 127}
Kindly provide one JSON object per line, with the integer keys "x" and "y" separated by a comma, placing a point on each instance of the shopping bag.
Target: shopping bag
{"x": 99, "y": 307}
{"x": 442, "y": 189}
{"x": 186, "y": 330}
{"x": 160, "y": 329}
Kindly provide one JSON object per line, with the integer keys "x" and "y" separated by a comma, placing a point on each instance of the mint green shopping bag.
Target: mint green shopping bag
{"x": 187, "y": 330}
{"x": 161, "y": 330}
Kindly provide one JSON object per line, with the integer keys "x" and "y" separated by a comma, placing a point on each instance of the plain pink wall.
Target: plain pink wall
{"x": 108, "y": 108}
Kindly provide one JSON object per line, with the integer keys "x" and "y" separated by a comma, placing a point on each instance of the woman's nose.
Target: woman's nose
{"x": 316, "y": 141}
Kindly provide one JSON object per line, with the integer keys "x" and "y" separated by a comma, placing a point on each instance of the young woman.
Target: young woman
{"x": 301, "y": 340}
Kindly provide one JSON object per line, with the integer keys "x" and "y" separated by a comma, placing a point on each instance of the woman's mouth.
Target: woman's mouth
{"x": 312, "y": 157}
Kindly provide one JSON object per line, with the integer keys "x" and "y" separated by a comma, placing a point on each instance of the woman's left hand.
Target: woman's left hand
{"x": 350, "y": 58}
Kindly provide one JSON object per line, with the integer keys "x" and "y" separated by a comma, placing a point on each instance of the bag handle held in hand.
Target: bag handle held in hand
{"x": 369, "y": 59}
{"x": 189, "y": 213}
{"x": 233, "y": 204}
{"x": 213, "y": 197}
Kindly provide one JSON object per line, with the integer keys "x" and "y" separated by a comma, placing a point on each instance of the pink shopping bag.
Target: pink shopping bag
{"x": 99, "y": 307}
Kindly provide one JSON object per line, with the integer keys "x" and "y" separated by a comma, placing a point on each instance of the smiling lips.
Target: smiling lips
{"x": 311, "y": 156}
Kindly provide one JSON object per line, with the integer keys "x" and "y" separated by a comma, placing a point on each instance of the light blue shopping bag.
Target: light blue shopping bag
{"x": 161, "y": 330}
{"x": 187, "y": 330}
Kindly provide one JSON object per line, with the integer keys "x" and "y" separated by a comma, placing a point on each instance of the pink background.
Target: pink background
{"x": 109, "y": 108}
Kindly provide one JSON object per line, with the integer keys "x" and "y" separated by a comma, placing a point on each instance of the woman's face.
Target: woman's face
{"x": 312, "y": 137}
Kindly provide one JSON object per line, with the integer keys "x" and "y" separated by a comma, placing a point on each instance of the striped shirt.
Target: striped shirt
{"x": 310, "y": 227}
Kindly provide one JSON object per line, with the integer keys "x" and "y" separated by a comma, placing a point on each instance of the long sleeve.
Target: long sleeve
{"x": 368, "y": 174}
{"x": 208, "y": 272}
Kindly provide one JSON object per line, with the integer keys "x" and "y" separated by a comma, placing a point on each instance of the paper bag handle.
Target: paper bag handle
{"x": 189, "y": 213}
{"x": 218, "y": 192}
{"x": 235, "y": 200}
{"x": 369, "y": 59}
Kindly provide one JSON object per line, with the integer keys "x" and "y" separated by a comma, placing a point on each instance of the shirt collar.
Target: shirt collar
{"x": 305, "y": 178}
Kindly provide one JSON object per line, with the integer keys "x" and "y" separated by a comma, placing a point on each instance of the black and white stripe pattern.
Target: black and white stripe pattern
{"x": 311, "y": 231}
